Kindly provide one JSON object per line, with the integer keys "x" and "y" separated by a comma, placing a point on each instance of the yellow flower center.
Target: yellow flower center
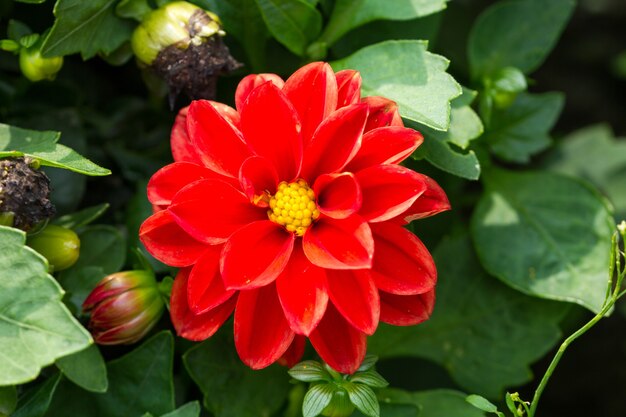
{"x": 293, "y": 206}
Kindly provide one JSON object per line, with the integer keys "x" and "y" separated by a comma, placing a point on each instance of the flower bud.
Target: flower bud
{"x": 60, "y": 246}
{"x": 182, "y": 43}
{"x": 124, "y": 307}
{"x": 35, "y": 67}
{"x": 24, "y": 194}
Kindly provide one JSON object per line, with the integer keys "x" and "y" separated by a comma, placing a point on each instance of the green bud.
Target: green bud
{"x": 340, "y": 405}
{"x": 60, "y": 246}
{"x": 178, "y": 23}
{"x": 35, "y": 67}
{"x": 505, "y": 85}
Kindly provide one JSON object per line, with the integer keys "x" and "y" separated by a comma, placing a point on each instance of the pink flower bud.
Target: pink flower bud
{"x": 124, "y": 306}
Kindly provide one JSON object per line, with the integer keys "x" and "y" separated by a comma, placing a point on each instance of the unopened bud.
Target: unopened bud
{"x": 35, "y": 67}
{"x": 60, "y": 246}
{"x": 183, "y": 44}
{"x": 124, "y": 307}
{"x": 24, "y": 194}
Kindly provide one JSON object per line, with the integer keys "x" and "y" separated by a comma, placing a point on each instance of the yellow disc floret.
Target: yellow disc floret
{"x": 293, "y": 206}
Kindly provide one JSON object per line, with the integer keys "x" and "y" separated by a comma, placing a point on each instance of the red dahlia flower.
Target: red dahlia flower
{"x": 289, "y": 211}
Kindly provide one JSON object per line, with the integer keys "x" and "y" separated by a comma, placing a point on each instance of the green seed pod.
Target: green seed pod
{"x": 60, "y": 246}
{"x": 35, "y": 67}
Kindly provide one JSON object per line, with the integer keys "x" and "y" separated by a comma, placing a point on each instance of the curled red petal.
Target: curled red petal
{"x": 338, "y": 195}
{"x": 432, "y": 201}
{"x": 406, "y": 310}
{"x": 382, "y": 112}
{"x": 195, "y": 326}
{"x": 338, "y": 343}
{"x": 212, "y": 210}
{"x": 335, "y": 142}
{"x": 170, "y": 179}
{"x": 262, "y": 334}
{"x": 252, "y": 81}
{"x": 348, "y": 87}
{"x": 356, "y": 297}
{"x": 258, "y": 179}
{"x": 313, "y": 91}
{"x": 294, "y": 353}
{"x": 205, "y": 289}
{"x": 167, "y": 242}
{"x": 182, "y": 149}
{"x": 339, "y": 243}
{"x": 218, "y": 142}
{"x": 385, "y": 145}
{"x": 388, "y": 190}
{"x": 255, "y": 255}
{"x": 271, "y": 128}
{"x": 402, "y": 264}
{"x": 302, "y": 292}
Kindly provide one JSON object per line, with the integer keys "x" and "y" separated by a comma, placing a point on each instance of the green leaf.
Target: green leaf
{"x": 86, "y": 369}
{"x": 546, "y": 235}
{"x": 538, "y": 25}
{"x": 230, "y": 388}
{"x": 8, "y": 400}
{"x": 35, "y": 327}
{"x": 191, "y": 409}
{"x": 35, "y": 403}
{"x": 350, "y": 14}
{"x": 81, "y": 218}
{"x": 483, "y": 404}
{"x": 445, "y": 150}
{"x": 521, "y": 130}
{"x": 133, "y": 9}
{"x": 445, "y": 403}
{"x": 370, "y": 378}
{"x": 88, "y": 27}
{"x": 31, "y": 1}
{"x": 364, "y": 399}
{"x": 16, "y": 30}
{"x": 294, "y": 23}
{"x": 594, "y": 154}
{"x": 15, "y": 142}
{"x": 316, "y": 399}
{"x": 28, "y": 40}
{"x": 309, "y": 371}
{"x": 404, "y": 71}
{"x": 484, "y": 333}
{"x": 368, "y": 362}
{"x": 139, "y": 382}
{"x": 102, "y": 252}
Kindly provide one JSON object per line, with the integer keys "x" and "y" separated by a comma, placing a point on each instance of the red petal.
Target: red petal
{"x": 258, "y": 178}
{"x": 294, "y": 353}
{"x": 252, "y": 81}
{"x": 255, "y": 255}
{"x": 271, "y": 128}
{"x": 383, "y": 112}
{"x": 431, "y": 202}
{"x": 402, "y": 264}
{"x": 212, "y": 210}
{"x": 219, "y": 143}
{"x": 262, "y": 334}
{"x": 192, "y": 326}
{"x": 338, "y": 343}
{"x": 228, "y": 113}
{"x": 205, "y": 289}
{"x": 356, "y": 297}
{"x": 170, "y": 179}
{"x": 182, "y": 149}
{"x": 302, "y": 292}
{"x": 388, "y": 190}
{"x": 339, "y": 244}
{"x": 338, "y": 195}
{"x": 406, "y": 310}
{"x": 313, "y": 91}
{"x": 335, "y": 142}
{"x": 385, "y": 145}
{"x": 349, "y": 87}
{"x": 167, "y": 242}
